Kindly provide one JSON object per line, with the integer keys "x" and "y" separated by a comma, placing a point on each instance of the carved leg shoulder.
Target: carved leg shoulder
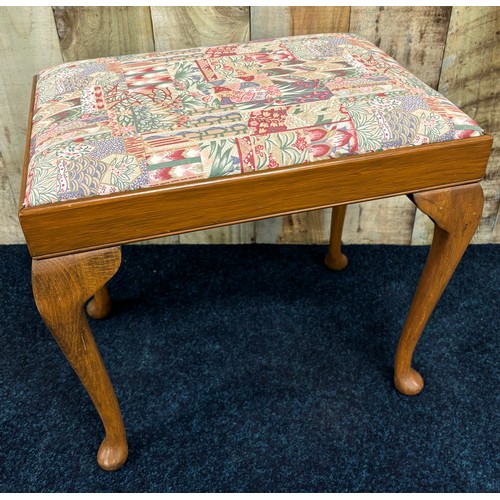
{"x": 61, "y": 286}
{"x": 456, "y": 213}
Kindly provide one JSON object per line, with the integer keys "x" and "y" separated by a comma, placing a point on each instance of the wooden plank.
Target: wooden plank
{"x": 495, "y": 235}
{"x": 300, "y": 228}
{"x": 423, "y": 229}
{"x": 236, "y": 233}
{"x": 363, "y": 225}
{"x": 388, "y": 220}
{"x": 91, "y": 32}
{"x": 273, "y": 22}
{"x": 28, "y": 43}
{"x": 270, "y": 22}
{"x": 307, "y": 227}
{"x": 415, "y": 37}
{"x": 164, "y": 240}
{"x": 470, "y": 78}
{"x": 109, "y": 220}
{"x": 10, "y": 229}
{"x": 182, "y": 27}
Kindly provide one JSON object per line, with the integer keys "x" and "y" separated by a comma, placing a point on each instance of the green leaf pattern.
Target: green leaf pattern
{"x": 99, "y": 125}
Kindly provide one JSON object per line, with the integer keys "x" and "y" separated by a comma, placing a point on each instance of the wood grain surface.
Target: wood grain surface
{"x": 335, "y": 259}
{"x": 28, "y": 43}
{"x": 181, "y": 27}
{"x": 495, "y": 235}
{"x": 299, "y": 228}
{"x": 60, "y": 287}
{"x": 416, "y": 36}
{"x": 90, "y": 32}
{"x": 272, "y": 22}
{"x": 236, "y": 233}
{"x": 389, "y": 220}
{"x": 470, "y": 79}
{"x": 84, "y": 224}
{"x": 269, "y": 22}
{"x": 456, "y": 213}
{"x": 10, "y": 230}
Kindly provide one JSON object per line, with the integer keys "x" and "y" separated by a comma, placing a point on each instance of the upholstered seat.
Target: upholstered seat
{"x": 123, "y": 123}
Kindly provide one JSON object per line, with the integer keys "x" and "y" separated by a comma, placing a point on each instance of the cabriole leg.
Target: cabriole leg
{"x": 100, "y": 305}
{"x": 335, "y": 259}
{"x": 456, "y": 213}
{"x": 61, "y": 286}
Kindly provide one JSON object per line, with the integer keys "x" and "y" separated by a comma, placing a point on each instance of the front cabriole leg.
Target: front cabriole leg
{"x": 61, "y": 286}
{"x": 456, "y": 213}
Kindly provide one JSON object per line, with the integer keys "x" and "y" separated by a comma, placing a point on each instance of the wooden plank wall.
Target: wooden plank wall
{"x": 470, "y": 77}
{"x": 453, "y": 49}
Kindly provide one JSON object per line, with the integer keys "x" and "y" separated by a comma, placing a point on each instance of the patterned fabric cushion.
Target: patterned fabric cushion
{"x": 129, "y": 122}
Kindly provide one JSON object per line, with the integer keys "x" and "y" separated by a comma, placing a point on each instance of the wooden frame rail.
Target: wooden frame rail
{"x": 103, "y": 221}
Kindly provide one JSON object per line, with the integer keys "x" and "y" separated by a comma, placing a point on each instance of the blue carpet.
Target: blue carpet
{"x": 254, "y": 368}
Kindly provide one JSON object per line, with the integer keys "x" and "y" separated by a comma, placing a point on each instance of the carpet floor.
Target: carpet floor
{"x": 255, "y": 368}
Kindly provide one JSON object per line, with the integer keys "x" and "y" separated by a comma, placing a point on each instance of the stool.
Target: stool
{"x": 129, "y": 148}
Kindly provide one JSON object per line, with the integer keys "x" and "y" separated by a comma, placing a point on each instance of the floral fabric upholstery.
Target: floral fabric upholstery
{"x": 129, "y": 122}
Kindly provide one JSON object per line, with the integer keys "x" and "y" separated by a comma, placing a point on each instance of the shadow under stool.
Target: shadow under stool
{"x": 129, "y": 148}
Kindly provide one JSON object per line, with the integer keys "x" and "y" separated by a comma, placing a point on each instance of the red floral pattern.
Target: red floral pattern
{"x": 129, "y": 122}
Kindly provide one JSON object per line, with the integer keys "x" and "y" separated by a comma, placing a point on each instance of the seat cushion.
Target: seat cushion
{"x": 130, "y": 122}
